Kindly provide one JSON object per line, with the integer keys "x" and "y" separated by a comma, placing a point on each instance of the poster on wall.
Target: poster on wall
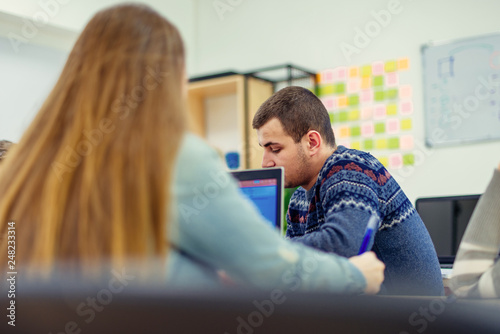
{"x": 462, "y": 90}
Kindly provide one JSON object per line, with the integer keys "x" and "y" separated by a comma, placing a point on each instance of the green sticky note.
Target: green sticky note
{"x": 406, "y": 124}
{"x": 354, "y": 115}
{"x": 368, "y": 144}
{"x": 324, "y": 90}
{"x": 393, "y": 143}
{"x": 356, "y": 131}
{"x": 409, "y": 159}
{"x": 343, "y": 116}
{"x": 378, "y": 81}
{"x": 332, "y": 117}
{"x": 366, "y": 70}
{"x": 391, "y": 94}
{"x": 378, "y": 95}
{"x": 353, "y": 100}
{"x": 379, "y": 127}
{"x": 390, "y": 66}
{"x": 339, "y": 88}
{"x": 391, "y": 109}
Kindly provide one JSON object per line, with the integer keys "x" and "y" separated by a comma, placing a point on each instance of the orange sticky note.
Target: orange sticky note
{"x": 342, "y": 101}
{"x": 403, "y": 63}
{"x": 366, "y": 82}
{"x": 344, "y": 132}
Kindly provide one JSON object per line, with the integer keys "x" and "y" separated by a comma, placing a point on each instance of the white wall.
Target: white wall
{"x": 261, "y": 33}
{"x": 252, "y": 34}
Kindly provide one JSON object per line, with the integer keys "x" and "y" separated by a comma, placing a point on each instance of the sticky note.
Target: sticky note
{"x": 353, "y": 100}
{"x": 353, "y": 115}
{"x": 391, "y": 94}
{"x": 392, "y": 126}
{"x": 367, "y": 129}
{"x": 393, "y": 143}
{"x": 377, "y": 68}
{"x": 379, "y": 111}
{"x": 366, "y": 82}
{"x": 366, "y": 113}
{"x": 381, "y": 144}
{"x": 355, "y": 131}
{"x": 353, "y": 86}
{"x": 343, "y": 142}
{"x": 392, "y": 79}
{"x": 366, "y": 70}
{"x": 353, "y": 72}
{"x": 406, "y": 142}
{"x": 327, "y": 76}
{"x": 384, "y": 161}
{"x": 406, "y": 124}
{"x": 344, "y": 132}
{"x": 329, "y": 103}
{"x": 392, "y": 109}
{"x": 406, "y": 108}
{"x": 366, "y": 96}
{"x": 327, "y": 89}
{"x": 378, "y": 81}
{"x": 339, "y": 88}
{"x": 378, "y": 95}
{"x": 343, "y": 116}
{"x": 395, "y": 161}
{"x": 409, "y": 159}
{"x": 405, "y": 92}
{"x": 356, "y": 145}
{"x": 390, "y": 66}
{"x": 342, "y": 101}
{"x": 332, "y": 117}
{"x": 379, "y": 128}
{"x": 340, "y": 73}
{"x": 319, "y": 78}
{"x": 368, "y": 144}
{"x": 403, "y": 64}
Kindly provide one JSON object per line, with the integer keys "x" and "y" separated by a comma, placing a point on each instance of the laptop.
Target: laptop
{"x": 446, "y": 219}
{"x": 265, "y": 188}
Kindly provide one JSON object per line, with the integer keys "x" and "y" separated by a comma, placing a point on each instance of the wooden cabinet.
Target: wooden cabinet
{"x": 221, "y": 110}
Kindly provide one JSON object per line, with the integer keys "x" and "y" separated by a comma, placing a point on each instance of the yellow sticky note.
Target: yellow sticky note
{"x": 342, "y": 101}
{"x": 353, "y": 72}
{"x": 384, "y": 161}
{"x": 406, "y": 124}
{"x": 356, "y": 145}
{"x": 403, "y": 63}
{"x": 366, "y": 71}
{"x": 392, "y": 109}
{"x": 353, "y": 115}
{"x": 344, "y": 132}
{"x": 381, "y": 144}
{"x": 390, "y": 66}
{"x": 366, "y": 82}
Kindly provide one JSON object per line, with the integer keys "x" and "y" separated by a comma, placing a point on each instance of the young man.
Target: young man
{"x": 339, "y": 189}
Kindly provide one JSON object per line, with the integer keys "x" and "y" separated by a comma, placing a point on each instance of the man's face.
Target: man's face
{"x": 281, "y": 150}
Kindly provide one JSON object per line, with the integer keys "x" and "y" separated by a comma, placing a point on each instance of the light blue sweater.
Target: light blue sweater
{"x": 216, "y": 228}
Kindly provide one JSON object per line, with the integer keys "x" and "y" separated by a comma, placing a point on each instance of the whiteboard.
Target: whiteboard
{"x": 462, "y": 90}
{"x": 26, "y": 78}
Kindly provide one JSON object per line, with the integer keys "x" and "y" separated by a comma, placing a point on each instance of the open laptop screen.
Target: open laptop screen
{"x": 264, "y": 187}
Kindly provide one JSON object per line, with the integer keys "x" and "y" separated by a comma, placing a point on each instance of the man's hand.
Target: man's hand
{"x": 373, "y": 270}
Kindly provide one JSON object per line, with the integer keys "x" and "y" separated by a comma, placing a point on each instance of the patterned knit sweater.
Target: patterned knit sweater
{"x": 476, "y": 271}
{"x": 332, "y": 216}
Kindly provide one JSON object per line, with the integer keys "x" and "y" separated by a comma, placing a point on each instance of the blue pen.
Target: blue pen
{"x": 372, "y": 225}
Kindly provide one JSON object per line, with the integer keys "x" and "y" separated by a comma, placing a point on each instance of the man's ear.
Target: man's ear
{"x": 314, "y": 141}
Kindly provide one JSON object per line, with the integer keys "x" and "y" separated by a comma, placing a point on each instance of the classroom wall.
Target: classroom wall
{"x": 244, "y": 35}
{"x": 260, "y": 33}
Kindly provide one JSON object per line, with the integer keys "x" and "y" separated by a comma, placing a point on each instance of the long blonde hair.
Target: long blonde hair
{"x": 90, "y": 179}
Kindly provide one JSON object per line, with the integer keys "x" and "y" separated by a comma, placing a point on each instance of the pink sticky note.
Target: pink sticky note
{"x": 366, "y": 96}
{"x": 366, "y": 113}
{"x": 392, "y": 79}
{"x": 395, "y": 161}
{"x": 377, "y": 68}
{"x": 327, "y": 76}
{"x": 406, "y": 108}
{"x": 405, "y": 92}
{"x": 379, "y": 111}
{"x": 367, "y": 129}
{"x": 392, "y": 126}
{"x": 345, "y": 143}
{"x": 406, "y": 142}
{"x": 329, "y": 102}
{"x": 340, "y": 73}
{"x": 353, "y": 85}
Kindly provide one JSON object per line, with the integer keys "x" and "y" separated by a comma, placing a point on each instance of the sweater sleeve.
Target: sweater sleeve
{"x": 222, "y": 230}
{"x": 476, "y": 271}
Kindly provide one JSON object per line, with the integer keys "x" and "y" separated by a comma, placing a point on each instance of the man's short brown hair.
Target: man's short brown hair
{"x": 4, "y": 147}
{"x": 299, "y": 111}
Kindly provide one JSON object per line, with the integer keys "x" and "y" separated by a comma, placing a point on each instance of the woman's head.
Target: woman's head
{"x": 89, "y": 180}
